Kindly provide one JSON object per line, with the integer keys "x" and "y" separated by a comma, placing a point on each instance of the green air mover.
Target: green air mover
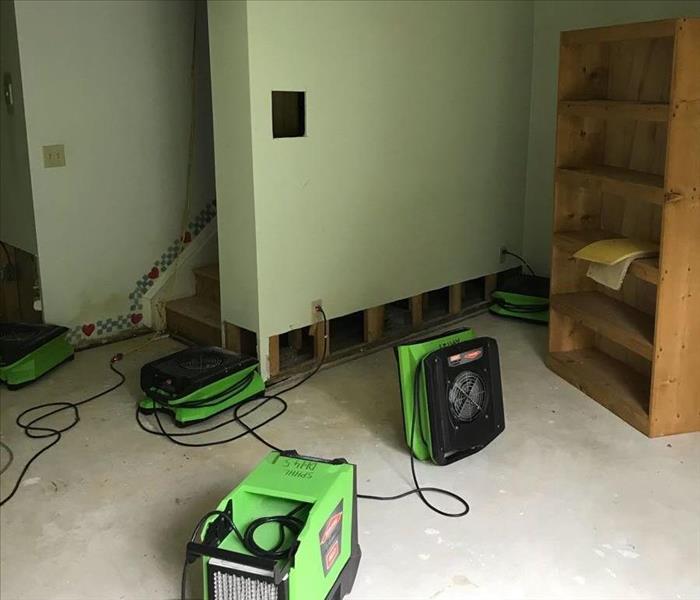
{"x": 287, "y": 532}
{"x": 28, "y": 350}
{"x": 450, "y": 395}
{"x": 522, "y": 297}
{"x": 197, "y": 383}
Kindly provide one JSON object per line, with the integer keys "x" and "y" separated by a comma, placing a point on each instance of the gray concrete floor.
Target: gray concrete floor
{"x": 569, "y": 502}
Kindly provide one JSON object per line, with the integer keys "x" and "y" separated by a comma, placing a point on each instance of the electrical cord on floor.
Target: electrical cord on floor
{"x": 10, "y": 457}
{"x": 288, "y": 521}
{"x": 251, "y": 404}
{"x": 33, "y": 430}
{"x": 418, "y": 489}
{"x": 521, "y": 259}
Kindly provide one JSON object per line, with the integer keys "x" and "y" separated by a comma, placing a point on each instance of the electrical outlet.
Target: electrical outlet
{"x": 315, "y": 313}
{"x": 504, "y": 254}
{"x": 54, "y": 156}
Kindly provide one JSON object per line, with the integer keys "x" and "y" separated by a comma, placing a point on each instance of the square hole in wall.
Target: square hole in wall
{"x": 288, "y": 114}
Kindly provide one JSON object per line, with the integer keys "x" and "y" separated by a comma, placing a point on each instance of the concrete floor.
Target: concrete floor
{"x": 569, "y": 502}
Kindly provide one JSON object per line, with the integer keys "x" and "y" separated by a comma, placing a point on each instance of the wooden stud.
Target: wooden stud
{"x": 455, "y": 299}
{"x": 296, "y": 339}
{"x": 321, "y": 339}
{"x": 490, "y": 282}
{"x": 240, "y": 340}
{"x": 273, "y": 356}
{"x": 373, "y": 324}
{"x": 416, "y": 310}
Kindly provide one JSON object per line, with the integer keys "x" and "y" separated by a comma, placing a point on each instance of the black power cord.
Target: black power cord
{"x": 10, "y": 458}
{"x": 32, "y": 429}
{"x": 521, "y": 259}
{"x": 254, "y": 404}
{"x": 418, "y": 489}
{"x": 288, "y": 521}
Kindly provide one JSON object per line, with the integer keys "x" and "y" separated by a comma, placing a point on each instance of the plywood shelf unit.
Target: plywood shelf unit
{"x": 628, "y": 165}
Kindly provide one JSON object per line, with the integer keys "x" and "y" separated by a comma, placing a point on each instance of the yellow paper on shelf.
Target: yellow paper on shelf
{"x": 610, "y": 259}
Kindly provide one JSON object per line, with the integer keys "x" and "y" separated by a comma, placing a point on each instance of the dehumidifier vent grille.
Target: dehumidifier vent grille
{"x": 226, "y": 584}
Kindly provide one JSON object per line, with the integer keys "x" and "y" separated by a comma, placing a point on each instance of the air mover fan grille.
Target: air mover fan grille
{"x": 467, "y": 396}
{"x": 16, "y": 332}
{"x": 203, "y": 361}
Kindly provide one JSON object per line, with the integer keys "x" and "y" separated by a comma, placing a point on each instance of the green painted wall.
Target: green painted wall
{"x": 550, "y": 19}
{"x": 111, "y": 81}
{"x": 412, "y": 172}
{"x": 228, "y": 41}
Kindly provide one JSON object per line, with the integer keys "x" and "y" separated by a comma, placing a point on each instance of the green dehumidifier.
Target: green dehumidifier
{"x": 450, "y": 394}
{"x": 287, "y": 532}
{"x": 29, "y": 350}
{"x": 197, "y": 383}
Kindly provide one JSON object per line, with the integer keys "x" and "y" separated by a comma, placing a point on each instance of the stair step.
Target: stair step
{"x": 207, "y": 283}
{"x": 196, "y": 319}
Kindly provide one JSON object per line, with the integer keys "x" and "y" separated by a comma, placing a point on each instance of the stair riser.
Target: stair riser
{"x": 192, "y": 329}
{"x": 207, "y": 288}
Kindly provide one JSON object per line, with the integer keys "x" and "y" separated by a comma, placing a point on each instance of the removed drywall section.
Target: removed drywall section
{"x": 228, "y": 34}
{"x": 411, "y": 173}
{"x": 111, "y": 82}
{"x": 16, "y": 208}
{"x": 551, "y": 18}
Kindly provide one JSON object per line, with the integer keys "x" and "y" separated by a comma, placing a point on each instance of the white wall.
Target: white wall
{"x": 412, "y": 172}
{"x": 551, "y": 18}
{"x": 228, "y": 34}
{"x": 16, "y": 208}
{"x": 110, "y": 80}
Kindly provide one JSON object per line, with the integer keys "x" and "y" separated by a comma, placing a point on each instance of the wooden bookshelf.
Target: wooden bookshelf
{"x": 628, "y": 165}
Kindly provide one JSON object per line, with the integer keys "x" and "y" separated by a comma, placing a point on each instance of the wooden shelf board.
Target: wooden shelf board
{"x": 627, "y": 183}
{"x": 610, "y": 318}
{"x": 619, "y": 33}
{"x": 614, "y": 109}
{"x": 572, "y": 241}
{"x": 646, "y": 269}
{"x": 607, "y": 380}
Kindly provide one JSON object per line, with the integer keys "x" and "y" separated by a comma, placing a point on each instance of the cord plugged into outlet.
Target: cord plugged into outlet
{"x": 316, "y": 311}
{"x": 505, "y": 253}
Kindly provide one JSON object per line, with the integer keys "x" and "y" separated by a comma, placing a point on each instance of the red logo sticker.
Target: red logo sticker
{"x": 332, "y": 554}
{"x": 330, "y": 527}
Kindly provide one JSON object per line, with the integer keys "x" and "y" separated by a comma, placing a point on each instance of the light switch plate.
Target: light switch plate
{"x": 54, "y": 156}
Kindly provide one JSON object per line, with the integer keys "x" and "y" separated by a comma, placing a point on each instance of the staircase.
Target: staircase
{"x": 198, "y": 318}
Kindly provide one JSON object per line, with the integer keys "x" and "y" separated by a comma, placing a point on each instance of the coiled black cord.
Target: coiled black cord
{"x": 288, "y": 521}
{"x": 237, "y": 414}
{"x": 33, "y": 430}
{"x": 418, "y": 489}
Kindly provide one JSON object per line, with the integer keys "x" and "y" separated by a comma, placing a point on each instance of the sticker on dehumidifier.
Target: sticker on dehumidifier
{"x": 331, "y": 538}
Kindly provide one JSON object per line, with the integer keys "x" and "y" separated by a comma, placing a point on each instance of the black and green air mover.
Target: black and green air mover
{"x": 521, "y": 296}
{"x": 287, "y": 532}
{"x": 197, "y": 383}
{"x": 450, "y": 394}
{"x": 29, "y": 350}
